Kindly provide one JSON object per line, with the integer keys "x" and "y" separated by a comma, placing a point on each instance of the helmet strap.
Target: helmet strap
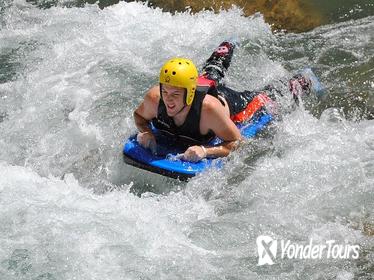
{"x": 184, "y": 102}
{"x": 184, "y": 106}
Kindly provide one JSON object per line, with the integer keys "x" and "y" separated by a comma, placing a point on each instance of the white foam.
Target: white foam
{"x": 81, "y": 73}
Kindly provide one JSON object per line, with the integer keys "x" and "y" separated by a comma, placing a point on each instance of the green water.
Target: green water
{"x": 342, "y": 10}
{"x": 331, "y": 11}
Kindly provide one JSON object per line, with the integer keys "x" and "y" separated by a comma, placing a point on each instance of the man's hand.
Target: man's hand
{"x": 147, "y": 140}
{"x": 195, "y": 153}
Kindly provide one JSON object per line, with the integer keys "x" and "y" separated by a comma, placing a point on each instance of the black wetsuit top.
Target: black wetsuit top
{"x": 189, "y": 131}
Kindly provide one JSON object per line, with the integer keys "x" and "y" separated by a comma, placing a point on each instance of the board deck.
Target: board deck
{"x": 167, "y": 161}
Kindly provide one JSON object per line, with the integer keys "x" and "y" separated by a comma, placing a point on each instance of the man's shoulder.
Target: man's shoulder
{"x": 154, "y": 93}
{"x": 151, "y": 100}
{"x": 211, "y": 103}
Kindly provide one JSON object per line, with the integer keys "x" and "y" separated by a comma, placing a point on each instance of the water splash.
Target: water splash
{"x": 68, "y": 205}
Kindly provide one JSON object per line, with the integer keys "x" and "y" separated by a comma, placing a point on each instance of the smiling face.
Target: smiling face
{"x": 173, "y": 98}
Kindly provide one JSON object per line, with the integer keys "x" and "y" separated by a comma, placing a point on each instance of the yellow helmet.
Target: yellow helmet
{"x": 180, "y": 72}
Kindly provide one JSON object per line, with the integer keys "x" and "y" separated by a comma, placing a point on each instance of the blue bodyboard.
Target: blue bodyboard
{"x": 166, "y": 160}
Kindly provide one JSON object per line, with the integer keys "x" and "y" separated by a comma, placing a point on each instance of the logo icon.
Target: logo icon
{"x": 267, "y": 250}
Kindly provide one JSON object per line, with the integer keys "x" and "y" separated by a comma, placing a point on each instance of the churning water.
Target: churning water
{"x": 70, "y": 79}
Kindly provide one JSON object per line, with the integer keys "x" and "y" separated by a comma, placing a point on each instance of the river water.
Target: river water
{"x": 70, "y": 79}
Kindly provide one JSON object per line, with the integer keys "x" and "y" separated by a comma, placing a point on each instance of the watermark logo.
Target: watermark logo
{"x": 267, "y": 248}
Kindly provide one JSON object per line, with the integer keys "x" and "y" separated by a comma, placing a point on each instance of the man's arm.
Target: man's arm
{"x": 147, "y": 110}
{"x": 215, "y": 117}
{"x": 220, "y": 123}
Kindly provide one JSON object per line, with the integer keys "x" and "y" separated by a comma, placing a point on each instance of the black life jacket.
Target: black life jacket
{"x": 189, "y": 132}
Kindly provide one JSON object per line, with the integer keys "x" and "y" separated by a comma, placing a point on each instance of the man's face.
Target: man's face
{"x": 173, "y": 98}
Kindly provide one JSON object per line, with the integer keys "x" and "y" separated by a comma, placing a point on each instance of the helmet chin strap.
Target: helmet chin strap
{"x": 185, "y": 105}
{"x": 184, "y": 102}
